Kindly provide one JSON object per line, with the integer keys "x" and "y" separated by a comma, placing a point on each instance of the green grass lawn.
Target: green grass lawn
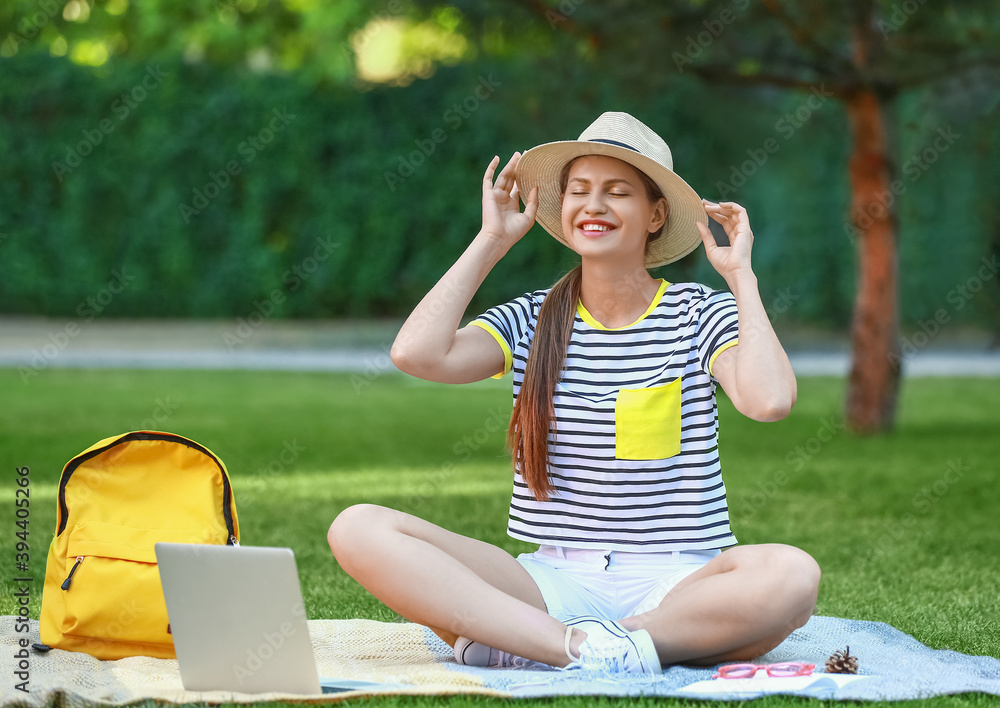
{"x": 904, "y": 525}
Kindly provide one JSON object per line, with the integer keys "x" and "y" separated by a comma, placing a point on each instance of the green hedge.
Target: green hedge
{"x": 179, "y": 190}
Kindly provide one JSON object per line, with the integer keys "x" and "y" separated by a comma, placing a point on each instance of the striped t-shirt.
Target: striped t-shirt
{"x": 634, "y": 456}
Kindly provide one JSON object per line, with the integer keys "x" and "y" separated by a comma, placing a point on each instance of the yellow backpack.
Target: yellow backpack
{"x": 102, "y": 592}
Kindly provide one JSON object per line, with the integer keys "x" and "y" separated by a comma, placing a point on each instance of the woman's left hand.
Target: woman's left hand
{"x": 728, "y": 261}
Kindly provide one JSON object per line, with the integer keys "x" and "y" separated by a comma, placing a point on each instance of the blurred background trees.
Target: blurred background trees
{"x": 323, "y": 159}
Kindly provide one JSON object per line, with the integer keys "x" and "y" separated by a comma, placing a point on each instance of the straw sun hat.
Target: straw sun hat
{"x": 622, "y": 136}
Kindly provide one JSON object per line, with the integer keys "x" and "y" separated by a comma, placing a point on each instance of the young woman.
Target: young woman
{"x": 613, "y": 433}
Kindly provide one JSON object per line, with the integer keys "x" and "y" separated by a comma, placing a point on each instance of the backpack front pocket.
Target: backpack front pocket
{"x": 648, "y": 422}
{"x": 112, "y": 590}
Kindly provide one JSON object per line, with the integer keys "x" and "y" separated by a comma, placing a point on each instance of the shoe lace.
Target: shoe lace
{"x": 603, "y": 663}
{"x": 518, "y": 662}
{"x": 513, "y": 661}
{"x": 601, "y": 660}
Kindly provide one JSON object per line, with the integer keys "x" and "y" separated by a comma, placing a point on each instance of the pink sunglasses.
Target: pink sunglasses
{"x": 784, "y": 670}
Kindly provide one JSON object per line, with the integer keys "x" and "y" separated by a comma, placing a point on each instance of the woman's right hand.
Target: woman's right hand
{"x": 432, "y": 344}
{"x": 503, "y": 220}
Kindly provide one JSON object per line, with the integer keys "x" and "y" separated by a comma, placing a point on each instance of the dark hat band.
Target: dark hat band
{"x": 612, "y": 142}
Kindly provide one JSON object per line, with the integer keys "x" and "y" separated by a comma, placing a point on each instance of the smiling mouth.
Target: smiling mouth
{"x": 595, "y": 230}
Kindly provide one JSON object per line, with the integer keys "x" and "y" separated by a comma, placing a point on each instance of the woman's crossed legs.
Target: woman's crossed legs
{"x": 740, "y": 605}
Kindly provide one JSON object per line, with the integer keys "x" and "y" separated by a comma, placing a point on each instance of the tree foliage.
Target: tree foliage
{"x": 391, "y": 173}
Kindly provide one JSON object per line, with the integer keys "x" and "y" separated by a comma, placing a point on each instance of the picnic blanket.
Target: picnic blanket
{"x": 409, "y": 659}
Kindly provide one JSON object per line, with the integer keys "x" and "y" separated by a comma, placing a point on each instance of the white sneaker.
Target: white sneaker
{"x": 611, "y": 648}
{"x": 470, "y": 653}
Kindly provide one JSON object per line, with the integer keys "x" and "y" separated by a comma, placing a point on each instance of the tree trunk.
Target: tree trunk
{"x": 873, "y": 386}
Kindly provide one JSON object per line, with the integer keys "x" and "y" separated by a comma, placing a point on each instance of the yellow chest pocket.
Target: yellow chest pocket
{"x": 648, "y": 422}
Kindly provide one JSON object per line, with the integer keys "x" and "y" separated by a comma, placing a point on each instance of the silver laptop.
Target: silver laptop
{"x": 238, "y": 621}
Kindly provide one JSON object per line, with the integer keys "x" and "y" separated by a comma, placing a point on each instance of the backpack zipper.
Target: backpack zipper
{"x": 69, "y": 578}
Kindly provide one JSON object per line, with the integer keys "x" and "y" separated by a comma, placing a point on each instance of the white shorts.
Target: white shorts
{"x": 609, "y": 584}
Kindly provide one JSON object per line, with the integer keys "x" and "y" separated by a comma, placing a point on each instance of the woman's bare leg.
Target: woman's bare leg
{"x": 742, "y": 604}
{"x": 453, "y": 584}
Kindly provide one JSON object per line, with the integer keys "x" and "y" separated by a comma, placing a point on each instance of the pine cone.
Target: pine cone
{"x": 842, "y": 663}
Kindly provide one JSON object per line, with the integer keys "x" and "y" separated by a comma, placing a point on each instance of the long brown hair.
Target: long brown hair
{"x": 534, "y": 412}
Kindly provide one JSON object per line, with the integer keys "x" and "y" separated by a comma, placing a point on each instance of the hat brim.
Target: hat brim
{"x": 541, "y": 167}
